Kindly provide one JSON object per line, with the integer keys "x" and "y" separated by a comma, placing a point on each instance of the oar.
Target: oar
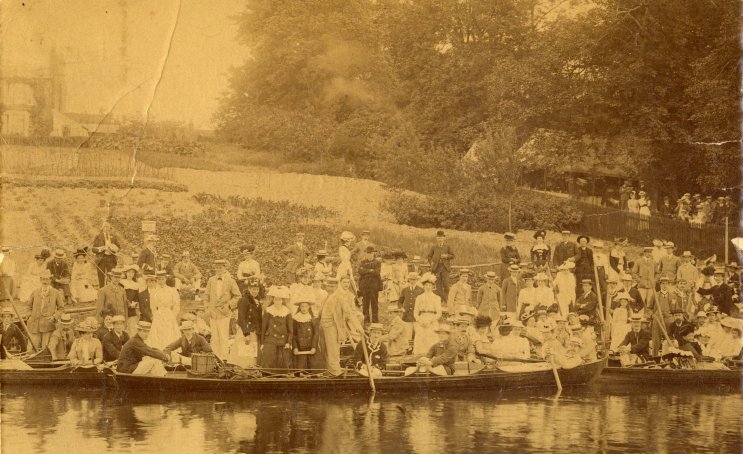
{"x": 23, "y": 324}
{"x": 368, "y": 363}
{"x": 528, "y": 360}
{"x": 554, "y": 372}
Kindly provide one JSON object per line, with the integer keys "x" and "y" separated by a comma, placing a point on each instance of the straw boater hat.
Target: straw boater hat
{"x": 347, "y": 236}
{"x": 565, "y": 232}
{"x": 118, "y": 318}
{"x": 59, "y": 253}
{"x": 145, "y": 326}
{"x": 513, "y": 268}
{"x": 509, "y": 235}
{"x": 375, "y": 327}
{"x": 186, "y": 324}
{"x": 491, "y": 274}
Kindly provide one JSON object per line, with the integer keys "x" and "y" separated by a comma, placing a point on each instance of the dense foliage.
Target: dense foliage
{"x": 383, "y": 83}
{"x": 88, "y": 183}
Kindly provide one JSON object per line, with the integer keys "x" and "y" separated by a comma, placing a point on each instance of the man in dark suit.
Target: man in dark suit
{"x": 139, "y": 359}
{"x": 509, "y": 255}
{"x": 407, "y": 298}
{"x": 637, "y": 303}
{"x": 115, "y": 339}
{"x": 583, "y": 262}
{"x": 145, "y": 310}
{"x": 105, "y": 247}
{"x": 586, "y": 305}
{"x": 10, "y": 334}
{"x": 189, "y": 343}
{"x": 147, "y": 260}
{"x": 564, "y": 249}
{"x": 370, "y": 284}
{"x": 439, "y": 257}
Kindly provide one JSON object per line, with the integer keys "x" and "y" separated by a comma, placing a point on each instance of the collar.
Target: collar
{"x": 302, "y": 318}
{"x": 278, "y": 310}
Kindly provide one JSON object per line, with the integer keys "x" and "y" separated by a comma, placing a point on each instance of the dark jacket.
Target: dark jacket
{"x": 436, "y": 260}
{"x": 147, "y": 260}
{"x": 132, "y": 353}
{"x": 112, "y": 345}
{"x": 277, "y": 330}
{"x": 587, "y": 304}
{"x": 407, "y": 302}
{"x": 197, "y": 345}
{"x": 722, "y": 295}
{"x": 99, "y": 243}
{"x": 249, "y": 315}
{"x": 10, "y": 334}
{"x": 306, "y": 334}
{"x": 583, "y": 262}
{"x": 563, "y": 251}
{"x": 443, "y": 355}
{"x": 145, "y": 311}
{"x": 370, "y": 277}
{"x": 377, "y": 355}
{"x": 639, "y": 342}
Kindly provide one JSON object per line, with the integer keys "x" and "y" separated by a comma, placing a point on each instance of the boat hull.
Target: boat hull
{"x": 483, "y": 380}
{"x": 650, "y": 377}
{"x": 55, "y": 376}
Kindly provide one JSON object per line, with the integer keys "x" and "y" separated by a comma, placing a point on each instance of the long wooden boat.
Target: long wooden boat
{"x": 646, "y": 376}
{"x": 51, "y": 374}
{"x": 482, "y": 380}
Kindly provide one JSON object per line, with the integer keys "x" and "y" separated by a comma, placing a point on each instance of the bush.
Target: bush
{"x": 282, "y": 211}
{"x": 218, "y": 234}
{"x": 88, "y": 183}
{"x": 474, "y": 211}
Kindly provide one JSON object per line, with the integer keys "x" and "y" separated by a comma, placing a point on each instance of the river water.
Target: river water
{"x": 597, "y": 418}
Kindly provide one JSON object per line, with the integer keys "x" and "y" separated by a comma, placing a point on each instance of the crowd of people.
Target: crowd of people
{"x": 562, "y": 302}
{"x": 697, "y": 209}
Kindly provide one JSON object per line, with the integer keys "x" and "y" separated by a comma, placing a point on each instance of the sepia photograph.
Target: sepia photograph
{"x": 371, "y": 226}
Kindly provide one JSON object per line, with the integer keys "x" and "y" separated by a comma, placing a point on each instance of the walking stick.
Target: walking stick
{"x": 368, "y": 363}
{"x": 23, "y": 324}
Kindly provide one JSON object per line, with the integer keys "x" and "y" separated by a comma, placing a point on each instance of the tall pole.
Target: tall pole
{"x": 726, "y": 248}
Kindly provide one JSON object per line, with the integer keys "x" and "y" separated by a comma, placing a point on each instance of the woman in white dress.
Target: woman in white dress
{"x": 427, "y": 312}
{"x": 644, "y": 204}
{"x": 30, "y": 281}
{"x": 620, "y": 325}
{"x": 632, "y": 204}
{"x": 165, "y": 304}
{"x": 564, "y": 283}
{"x": 344, "y": 252}
{"x": 83, "y": 279}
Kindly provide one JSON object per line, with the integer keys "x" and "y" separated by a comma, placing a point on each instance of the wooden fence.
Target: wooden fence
{"x": 701, "y": 240}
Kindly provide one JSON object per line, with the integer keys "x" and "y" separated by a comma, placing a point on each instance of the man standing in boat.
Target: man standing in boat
{"x": 46, "y": 303}
{"x": 439, "y": 257}
{"x": 138, "y": 358}
{"x": 338, "y": 321}
{"x": 221, "y": 296}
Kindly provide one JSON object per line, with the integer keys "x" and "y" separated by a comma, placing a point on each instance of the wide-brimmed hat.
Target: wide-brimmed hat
{"x": 623, "y": 296}
{"x": 84, "y": 327}
{"x": 539, "y": 233}
{"x": 281, "y": 292}
{"x": 482, "y": 321}
{"x": 144, "y": 325}
{"x": 131, "y": 267}
{"x": 80, "y": 252}
{"x": 428, "y": 277}
{"x": 588, "y": 239}
{"x": 440, "y": 234}
{"x": 701, "y": 314}
{"x": 442, "y": 328}
{"x": 347, "y": 236}
{"x": 466, "y": 309}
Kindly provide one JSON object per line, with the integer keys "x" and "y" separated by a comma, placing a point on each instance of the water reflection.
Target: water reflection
{"x": 586, "y": 420}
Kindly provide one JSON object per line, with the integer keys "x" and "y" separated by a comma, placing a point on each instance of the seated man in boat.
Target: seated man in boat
{"x": 11, "y": 337}
{"x": 60, "y": 342}
{"x": 189, "y": 343}
{"x": 636, "y": 344}
{"x": 440, "y": 358}
{"x": 376, "y": 350}
{"x": 588, "y": 349}
{"x": 138, "y": 358}
{"x": 463, "y": 340}
{"x": 554, "y": 352}
{"x": 115, "y": 339}
{"x": 86, "y": 350}
{"x": 400, "y": 333}
{"x": 512, "y": 344}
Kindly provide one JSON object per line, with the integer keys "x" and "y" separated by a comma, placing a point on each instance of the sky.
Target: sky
{"x": 117, "y": 54}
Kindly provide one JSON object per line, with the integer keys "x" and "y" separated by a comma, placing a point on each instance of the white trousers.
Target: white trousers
{"x": 221, "y": 336}
{"x": 150, "y": 366}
